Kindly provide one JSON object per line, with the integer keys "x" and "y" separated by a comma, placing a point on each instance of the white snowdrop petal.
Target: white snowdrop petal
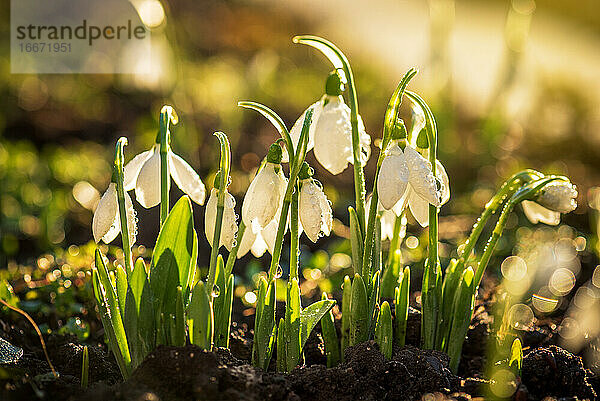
{"x": 333, "y": 137}
{"x": 269, "y": 233}
{"x": 296, "y": 130}
{"x": 315, "y": 211}
{"x": 132, "y": 169}
{"x": 147, "y": 187}
{"x": 259, "y": 247}
{"x": 421, "y": 177}
{"x": 537, "y": 213}
{"x": 559, "y": 196}
{"x": 393, "y": 178}
{"x": 388, "y": 220}
{"x": 264, "y": 197}
{"x": 419, "y": 207}
{"x": 442, "y": 176}
{"x": 228, "y": 226}
{"x": 186, "y": 178}
{"x": 247, "y": 240}
{"x": 131, "y": 220}
{"x": 402, "y": 203}
{"x": 103, "y": 222}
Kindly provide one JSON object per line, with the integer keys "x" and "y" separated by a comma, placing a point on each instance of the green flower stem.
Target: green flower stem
{"x": 167, "y": 116}
{"x": 339, "y": 60}
{"x": 389, "y": 120}
{"x": 507, "y": 189}
{"x": 234, "y": 251}
{"x": 431, "y": 288}
{"x": 294, "y": 235}
{"x": 399, "y": 227}
{"x": 224, "y": 181}
{"x": 297, "y": 163}
{"x": 118, "y": 180}
{"x": 525, "y": 193}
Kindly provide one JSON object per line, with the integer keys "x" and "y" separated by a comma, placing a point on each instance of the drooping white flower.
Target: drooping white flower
{"x": 229, "y": 227}
{"x": 555, "y": 198}
{"x": 314, "y": 210}
{"x": 388, "y": 220}
{"x": 331, "y": 134}
{"x": 106, "y": 223}
{"x": 406, "y": 178}
{"x": 263, "y": 240}
{"x": 264, "y": 197}
{"x": 142, "y": 173}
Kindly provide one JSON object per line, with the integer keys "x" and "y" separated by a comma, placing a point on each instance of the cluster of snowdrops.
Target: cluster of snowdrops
{"x": 144, "y": 306}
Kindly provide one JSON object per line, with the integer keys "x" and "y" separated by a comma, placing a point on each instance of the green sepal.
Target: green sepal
{"x": 346, "y": 304}
{"x": 384, "y": 331}
{"x": 402, "y": 295}
{"x": 356, "y": 241}
{"x": 174, "y": 256}
{"x": 359, "y": 312}
{"x": 464, "y": 301}
{"x": 200, "y": 317}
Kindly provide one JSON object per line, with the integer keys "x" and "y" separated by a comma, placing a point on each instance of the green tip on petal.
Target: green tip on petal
{"x": 399, "y": 129}
{"x": 422, "y": 140}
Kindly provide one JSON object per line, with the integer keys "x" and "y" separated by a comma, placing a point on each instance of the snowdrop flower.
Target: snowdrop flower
{"x": 229, "y": 227}
{"x": 265, "y": 193}
{"x": 316, "y": 217}
{"x": 555, "y": 198}
{"x": 388, "y": 220}
{"x": 142, "y": 173}
{"x": 106, "y": 223}
{"x": 263, "y": 240}
{"x": 406, "y": 178}
{"x": 330, "y": 134}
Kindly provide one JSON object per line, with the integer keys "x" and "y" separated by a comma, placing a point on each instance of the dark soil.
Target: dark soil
{"x": 189, "y": 373}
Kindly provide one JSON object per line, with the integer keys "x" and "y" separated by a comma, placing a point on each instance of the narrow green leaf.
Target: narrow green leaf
{"x": 292, "y": 324}
{"x": 260, "y": 304}
{"x": 200, "y": 317}
{"x": 179, "y": 339}
{"x": 356, "y": 241}
{"x": 464, "y": 301}
{"x": 113, "y": 314}
{"x": 281, "y": 346}
{"x": 391, "y": 274}
{"x": 173, "y": 261}
{"x": 222, "y": 339}
{"x": 121, "y": 287}
{"x": 346, "y": 311}
{"x": 451, "y": 280}
{"x": 330, "y": 338}
{"x": 430, "y": 299}
{"x": 311, "y": 315}
{"x": 383, "y": 331}
{"x": 266, "y": 330}
{"x": 85, "y": 367}
{"x": 220, "y": 307}
{"x": 373, "y": 302}
{"x": 401, "y": 308}
{"x": 359, "y": 312}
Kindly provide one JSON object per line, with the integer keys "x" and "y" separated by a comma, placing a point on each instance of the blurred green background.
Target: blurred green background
{"x": 512, "y": 84}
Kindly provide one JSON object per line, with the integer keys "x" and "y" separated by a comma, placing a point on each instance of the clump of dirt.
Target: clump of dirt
{"x": 555, "y": 372}
{"x": 190, "y": 373}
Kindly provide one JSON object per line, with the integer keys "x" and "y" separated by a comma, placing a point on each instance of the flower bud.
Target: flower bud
{"x": 559, "y": 196}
